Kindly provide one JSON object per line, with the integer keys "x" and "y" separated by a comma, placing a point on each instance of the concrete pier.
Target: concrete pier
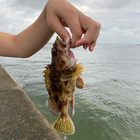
{"x": 19, "y": 117}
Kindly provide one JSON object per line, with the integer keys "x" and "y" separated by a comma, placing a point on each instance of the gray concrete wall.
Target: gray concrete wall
{"x": 19, "y": 117}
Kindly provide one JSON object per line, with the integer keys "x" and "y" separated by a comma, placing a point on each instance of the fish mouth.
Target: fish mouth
{"x": 71, "y": 61}
{"x": 70, "y": 55}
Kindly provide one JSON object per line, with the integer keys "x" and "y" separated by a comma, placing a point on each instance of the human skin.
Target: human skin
{"x": 53, "y": 18}
{"x": 77, "y": 22}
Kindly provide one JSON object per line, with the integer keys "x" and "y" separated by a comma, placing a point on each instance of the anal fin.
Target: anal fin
{"x": 52, "y": 106}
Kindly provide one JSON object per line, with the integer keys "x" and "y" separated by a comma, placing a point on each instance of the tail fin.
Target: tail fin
{"x": 64, "y": 126}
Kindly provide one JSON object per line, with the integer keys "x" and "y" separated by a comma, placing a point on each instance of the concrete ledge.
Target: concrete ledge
{"x": 19, "y": 117}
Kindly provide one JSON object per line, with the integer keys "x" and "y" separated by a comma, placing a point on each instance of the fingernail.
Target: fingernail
{"x": 86, "y": 46}
{"x": 66, "y": 40}
{"x": 92, "y": 47}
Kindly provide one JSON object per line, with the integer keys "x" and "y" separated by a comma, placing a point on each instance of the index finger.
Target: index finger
{"x": 91, "y": 29}
{"x": 75, "y": 28}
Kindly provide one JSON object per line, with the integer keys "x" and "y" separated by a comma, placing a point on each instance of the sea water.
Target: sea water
{"x": 108, "y": 108}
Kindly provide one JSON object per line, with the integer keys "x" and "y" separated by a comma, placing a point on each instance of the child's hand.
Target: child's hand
{"x": 60, "y": 13}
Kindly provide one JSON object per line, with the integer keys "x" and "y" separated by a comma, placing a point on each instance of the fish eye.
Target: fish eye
{"x": 54, "y": 51}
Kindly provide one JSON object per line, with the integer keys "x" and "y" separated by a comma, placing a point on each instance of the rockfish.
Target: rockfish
{"x": 61, "y": 78}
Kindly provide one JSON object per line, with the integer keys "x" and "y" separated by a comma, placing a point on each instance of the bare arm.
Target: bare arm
{"x": 28, "y": 41}
{"x": 56, "y": 15}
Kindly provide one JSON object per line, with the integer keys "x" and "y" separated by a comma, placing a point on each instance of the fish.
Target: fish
{"x": 62, "y": 76}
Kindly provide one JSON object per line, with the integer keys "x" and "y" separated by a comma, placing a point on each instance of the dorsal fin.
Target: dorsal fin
{"x": 47, "y": 75}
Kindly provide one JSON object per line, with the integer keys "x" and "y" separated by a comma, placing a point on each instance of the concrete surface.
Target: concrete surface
{"x": 19, "y": 117}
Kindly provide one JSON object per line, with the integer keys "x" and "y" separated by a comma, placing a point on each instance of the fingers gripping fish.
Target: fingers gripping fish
{"x": 61, "y": 78}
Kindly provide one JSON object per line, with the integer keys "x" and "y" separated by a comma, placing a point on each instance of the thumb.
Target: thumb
{"x": 55, "y": 24}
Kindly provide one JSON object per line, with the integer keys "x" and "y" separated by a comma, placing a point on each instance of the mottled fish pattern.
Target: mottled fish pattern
{"x": 61, "y": 78}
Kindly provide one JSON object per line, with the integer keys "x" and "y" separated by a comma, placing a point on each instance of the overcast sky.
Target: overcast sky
{"x": 120, "y": 19}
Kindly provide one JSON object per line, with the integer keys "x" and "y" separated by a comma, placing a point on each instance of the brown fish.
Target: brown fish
{"x": 61, "y": 78}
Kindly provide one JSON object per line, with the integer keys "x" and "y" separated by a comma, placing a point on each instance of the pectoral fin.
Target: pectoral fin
{"x": 78, "y": 71}
{"x": 80, "y": 83}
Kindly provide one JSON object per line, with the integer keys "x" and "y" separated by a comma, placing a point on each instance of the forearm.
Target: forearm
{"x": 28, "y": 41}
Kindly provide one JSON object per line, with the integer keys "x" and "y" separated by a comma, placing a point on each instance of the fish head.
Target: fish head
{"x": 62, "y": 57}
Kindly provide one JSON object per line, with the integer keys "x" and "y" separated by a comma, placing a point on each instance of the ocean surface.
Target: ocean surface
{"x": 108, "y": 108}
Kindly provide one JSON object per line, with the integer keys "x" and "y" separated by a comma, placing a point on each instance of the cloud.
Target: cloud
{"x": 118, "y": 4}
{"x": 83, "y": 8}
{"x": 32, "y": 4}
{"x": 29, "y": 21}
{"x": 116, "y": 35}
{"x": 18, "y": 14}
{"x": 9, "y": 27}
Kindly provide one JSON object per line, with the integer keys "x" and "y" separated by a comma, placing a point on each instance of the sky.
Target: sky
{"x": 119, "y": 19}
